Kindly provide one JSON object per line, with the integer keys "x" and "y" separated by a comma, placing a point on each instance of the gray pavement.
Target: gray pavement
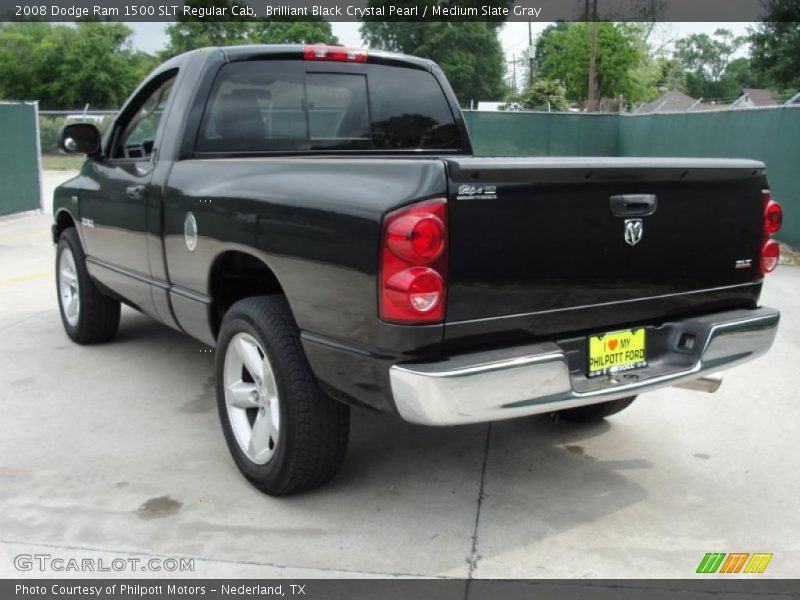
{"x": 115, "y": 451}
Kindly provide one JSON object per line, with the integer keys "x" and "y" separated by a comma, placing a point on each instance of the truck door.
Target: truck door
{"x": 114, "y": 212}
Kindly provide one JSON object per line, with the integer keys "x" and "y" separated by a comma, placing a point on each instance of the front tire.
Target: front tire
{"x": 595, "y": 412}
{"x": 284, "y": 433}
{"x": 88, "y": 315}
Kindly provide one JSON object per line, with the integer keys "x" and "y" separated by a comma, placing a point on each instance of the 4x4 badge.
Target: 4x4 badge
{"x": 633, "y": 231}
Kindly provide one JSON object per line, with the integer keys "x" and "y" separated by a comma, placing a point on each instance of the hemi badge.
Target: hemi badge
{"x": 744, "y": 263}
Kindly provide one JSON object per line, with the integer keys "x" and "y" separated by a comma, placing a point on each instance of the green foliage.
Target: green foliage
{"x": 468, "y": 52}
{"x": 65, "y": 67}
{"x": 544, "y": 94}
{"x": 48, "y": 133}
{"x": 670, "y": 74}
{"x": 711, "y": 71}
{"x": 562, "y": 54}
{"x": 293, "y": 32}
{"x": 648, "y": 73}
{"x": 185, "y": 34}
{"x": 62, "y": 162}
{"x": 775, "y": 45}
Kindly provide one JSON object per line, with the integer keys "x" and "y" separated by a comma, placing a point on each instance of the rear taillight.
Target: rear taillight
{"x": 770, "y": 253}
{"x": 413, "y": 278}
{"x": 336, "y": 53}
{"x": 773, "y": 215}
{"x": 773, "y": 219}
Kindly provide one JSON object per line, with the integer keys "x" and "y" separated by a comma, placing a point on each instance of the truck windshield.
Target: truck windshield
{"x": 285, "y": 106}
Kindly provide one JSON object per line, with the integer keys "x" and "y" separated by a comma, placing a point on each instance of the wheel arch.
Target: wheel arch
{"x": 63, "y": 220}
{"x": 235, "y": 275}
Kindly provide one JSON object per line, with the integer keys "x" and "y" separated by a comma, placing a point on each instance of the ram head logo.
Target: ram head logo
{"x": 633, "y": 231}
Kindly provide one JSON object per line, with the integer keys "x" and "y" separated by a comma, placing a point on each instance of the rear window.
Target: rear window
{"x": 285, "y": 106}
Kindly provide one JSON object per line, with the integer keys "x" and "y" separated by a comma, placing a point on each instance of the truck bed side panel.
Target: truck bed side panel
{"x": 316, "y": 224}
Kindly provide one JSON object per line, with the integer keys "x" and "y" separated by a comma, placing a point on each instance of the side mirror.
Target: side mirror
{"x": 80, "y": 138}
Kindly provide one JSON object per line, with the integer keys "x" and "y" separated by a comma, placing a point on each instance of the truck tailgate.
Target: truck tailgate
{"x": 552, "y": 245}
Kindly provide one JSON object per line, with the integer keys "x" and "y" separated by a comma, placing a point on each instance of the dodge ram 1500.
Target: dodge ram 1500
{"x": 316, "y": 214}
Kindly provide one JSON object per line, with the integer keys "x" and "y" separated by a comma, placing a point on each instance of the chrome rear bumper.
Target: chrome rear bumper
{"x": 535, "y": 378}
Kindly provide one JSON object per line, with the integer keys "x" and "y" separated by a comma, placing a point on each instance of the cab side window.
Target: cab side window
{"x": 137, "y": 137}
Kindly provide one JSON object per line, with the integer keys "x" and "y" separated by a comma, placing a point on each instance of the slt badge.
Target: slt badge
{"x": 633, "y": 231}
{"x": 190, "y": 232}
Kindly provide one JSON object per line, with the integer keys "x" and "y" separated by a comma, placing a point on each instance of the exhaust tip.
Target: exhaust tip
{"x": 708, "y": 383}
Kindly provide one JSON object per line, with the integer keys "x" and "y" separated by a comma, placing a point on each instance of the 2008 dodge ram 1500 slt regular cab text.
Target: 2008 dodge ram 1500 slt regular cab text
{"x": 315, "y": 214}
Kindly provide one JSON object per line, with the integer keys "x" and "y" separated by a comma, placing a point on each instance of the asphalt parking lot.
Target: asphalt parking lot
{"x": 115, "y": 451}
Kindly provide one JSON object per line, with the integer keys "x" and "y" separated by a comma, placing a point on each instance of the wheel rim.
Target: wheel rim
{"x": 251, "y": 398}
{"x": 68, "y": 287}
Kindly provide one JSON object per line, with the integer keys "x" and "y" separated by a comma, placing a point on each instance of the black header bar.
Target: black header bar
{"x": 386, "y": 10}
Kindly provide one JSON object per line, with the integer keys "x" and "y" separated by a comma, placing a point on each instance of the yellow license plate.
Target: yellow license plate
{"x": 616, "y": 351}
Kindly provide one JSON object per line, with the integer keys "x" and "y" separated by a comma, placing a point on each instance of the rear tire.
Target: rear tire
{"x": 88, "y": 315}
{"x": 284, "y": 433}
{"x": 595, "y": 412}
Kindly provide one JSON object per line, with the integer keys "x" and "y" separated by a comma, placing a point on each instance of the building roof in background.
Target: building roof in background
{"x": 672, "y": 101}
{"x": 757, "y": 97}
{"x": 713, "y": 105}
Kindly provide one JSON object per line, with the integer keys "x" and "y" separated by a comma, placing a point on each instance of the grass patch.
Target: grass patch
{"x": 62, "y": 162}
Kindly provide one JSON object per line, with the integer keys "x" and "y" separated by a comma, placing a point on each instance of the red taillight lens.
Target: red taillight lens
{"x": 773, "y": 215}
{"x": 416, "y": 237}
{"x": 323, "y": 52}
{"x": 770, "y": 253}
{"x": 773, "y": 219}
{"x": 414, "y": 263}
{"x": 419, "y": 288}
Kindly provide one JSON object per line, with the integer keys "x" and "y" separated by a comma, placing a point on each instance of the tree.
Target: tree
{"x": 646, "y": 77}
{"x": 669, "y": 74}
{"x": 468, "y": 52}
{"x": 562, "y": 53}
{"x": 775, "y": 45}
{"x": 706, "y": 59}
{"x": 187, "y": 34}
{"x": 543, "y": 94}
{"x": 70, "y": 66}
{"x": 293, "y": 32}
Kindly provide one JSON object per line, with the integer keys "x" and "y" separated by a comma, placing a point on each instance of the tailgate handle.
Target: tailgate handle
{"x": 633, "y": 205}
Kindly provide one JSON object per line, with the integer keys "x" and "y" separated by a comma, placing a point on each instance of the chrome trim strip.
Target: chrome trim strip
{"x": 600, "y": 304}
{"x": 191, "y": 295}
{"x": 176, "y": 289}
{"x": 535, "y": 379}
{"x": 127, "y": 272}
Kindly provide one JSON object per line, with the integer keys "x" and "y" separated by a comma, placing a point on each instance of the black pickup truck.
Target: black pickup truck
{"x": 316, "y": 214}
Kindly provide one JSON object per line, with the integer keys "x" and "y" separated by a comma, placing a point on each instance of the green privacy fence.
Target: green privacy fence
{"x": 542, "y": 134}
{"x": 19, "y": 157}
{"x": 770, "y": 135}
